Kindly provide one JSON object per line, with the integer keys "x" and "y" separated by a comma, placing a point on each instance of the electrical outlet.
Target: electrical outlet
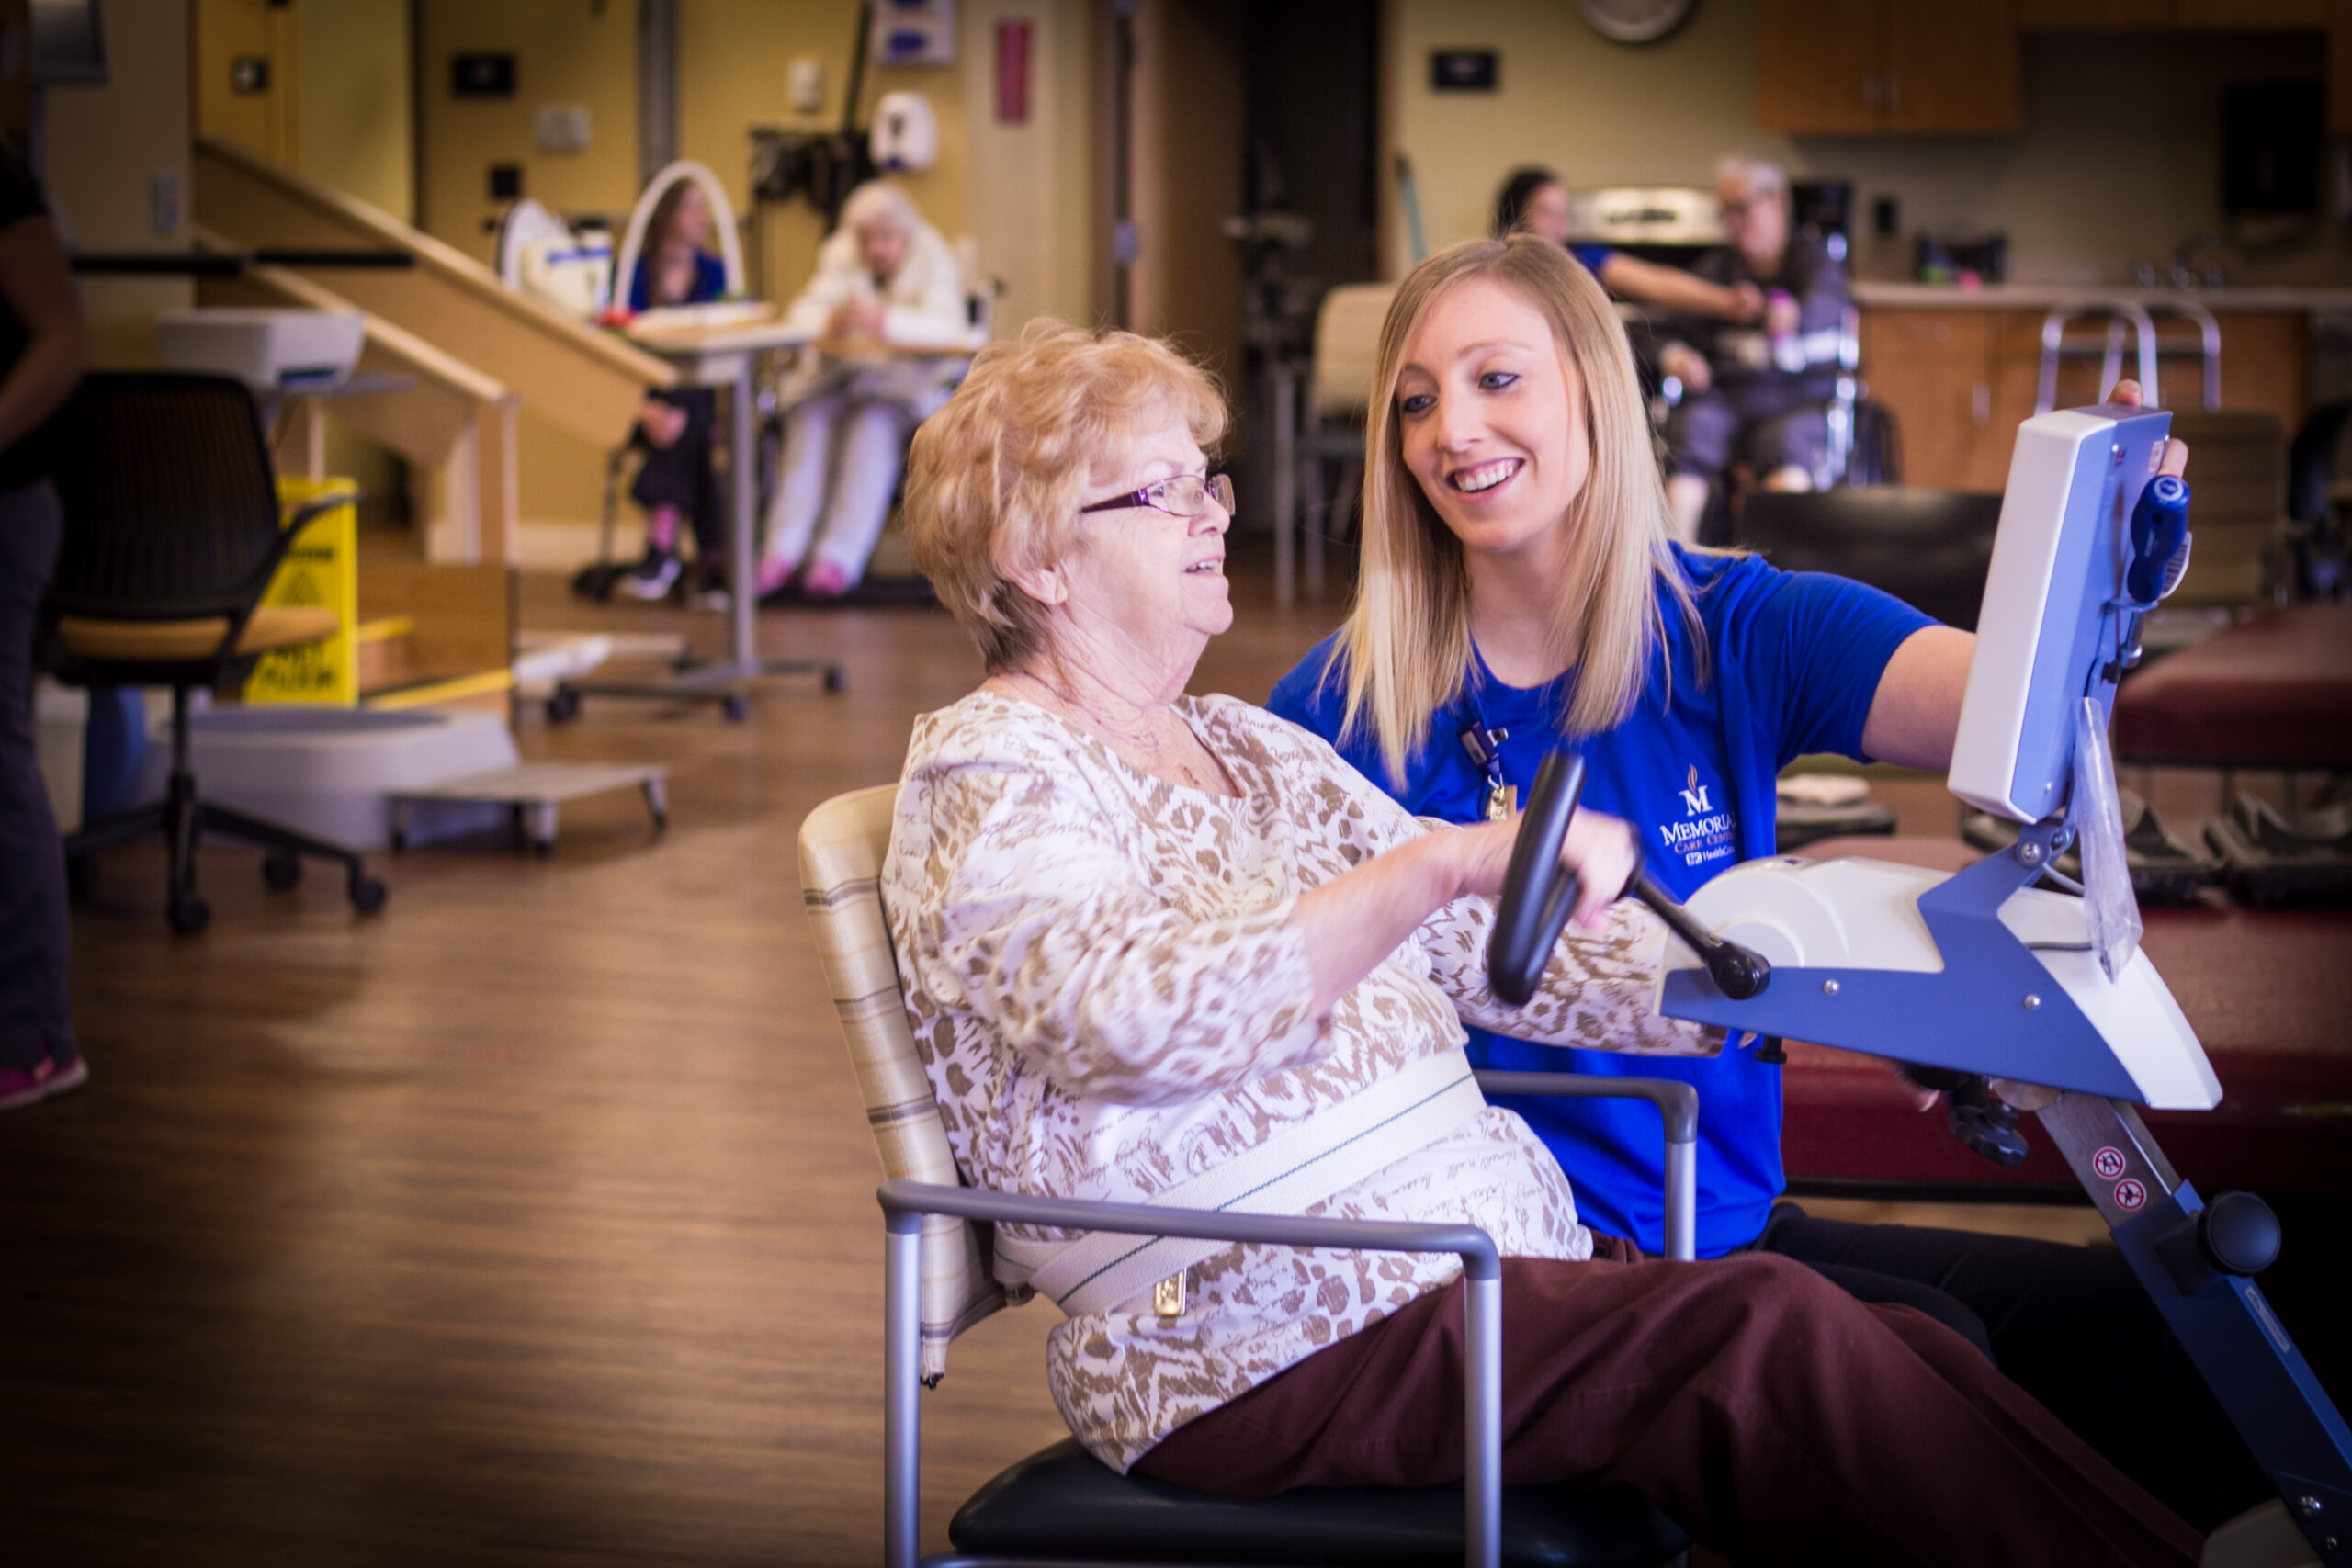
{"x": 804, "y": 86}
{"x": 561, "y": 127}
{"x": 164, "y": 209}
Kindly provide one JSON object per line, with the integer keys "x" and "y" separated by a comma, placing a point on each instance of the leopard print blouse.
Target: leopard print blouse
{"x": 1110, "y": 996}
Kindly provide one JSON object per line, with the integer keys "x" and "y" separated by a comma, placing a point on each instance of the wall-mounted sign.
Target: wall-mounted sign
{"x": 914, "y": 32}
{"x": 1012, "y": 73}
{"x": 482, "y": 75}
{"x": 1464, "y": 71}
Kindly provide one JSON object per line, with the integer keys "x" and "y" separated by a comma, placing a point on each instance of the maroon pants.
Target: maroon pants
{"x": 1769, "y": 1413}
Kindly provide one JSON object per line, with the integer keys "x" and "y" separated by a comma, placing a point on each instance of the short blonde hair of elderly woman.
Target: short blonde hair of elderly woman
{"x": 995, "y": 479}
{"x": 1406, "y": 648}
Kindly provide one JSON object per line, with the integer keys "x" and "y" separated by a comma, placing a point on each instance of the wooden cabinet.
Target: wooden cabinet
{"x": 1889, "y": 68}
{"x": 2167, "y": 16}
{"x": 1958, "y": 382}
{"x": 1933, "y": 371}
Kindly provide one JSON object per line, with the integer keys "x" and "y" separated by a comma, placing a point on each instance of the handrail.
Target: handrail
{"x": 434, "y": 255}
{"x": 2053, "y": 334}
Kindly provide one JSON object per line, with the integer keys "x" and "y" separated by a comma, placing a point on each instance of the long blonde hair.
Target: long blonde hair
{"x": 1405, "y": 651}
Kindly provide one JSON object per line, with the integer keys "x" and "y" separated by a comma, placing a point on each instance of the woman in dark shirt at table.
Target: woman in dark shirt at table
{"x": 42, "y": 352}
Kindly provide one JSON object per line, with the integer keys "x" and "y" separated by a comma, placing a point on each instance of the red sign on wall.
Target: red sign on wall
{"x": 1012, "y": 73}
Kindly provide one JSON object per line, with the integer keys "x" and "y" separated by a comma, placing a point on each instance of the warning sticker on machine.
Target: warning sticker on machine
{"x": 2129, "y": 1194}
{"x": 2108, "y": 1164}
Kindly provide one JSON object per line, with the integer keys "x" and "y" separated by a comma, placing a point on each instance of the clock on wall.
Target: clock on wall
{"x": 1636, "y": 21}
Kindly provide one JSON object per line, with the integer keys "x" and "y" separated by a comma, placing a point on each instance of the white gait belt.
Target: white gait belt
{"x": 1405, "y": 1111}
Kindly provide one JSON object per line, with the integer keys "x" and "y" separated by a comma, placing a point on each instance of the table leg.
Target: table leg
{"x": 742, "y": 575}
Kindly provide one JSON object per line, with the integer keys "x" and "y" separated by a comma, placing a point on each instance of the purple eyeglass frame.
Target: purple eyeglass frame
{"x": 1219, "y": 489}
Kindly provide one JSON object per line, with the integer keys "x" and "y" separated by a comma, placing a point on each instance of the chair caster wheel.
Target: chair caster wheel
{"x": 564, "y": 707}
{"x": 367, "y": 893}
{"x": 81, "y": 875}
{"x": 187, "y": 913}
{"x": 835, "y": 678}
{"x": 736, "y": 707}
{"x": 281, "y": 870}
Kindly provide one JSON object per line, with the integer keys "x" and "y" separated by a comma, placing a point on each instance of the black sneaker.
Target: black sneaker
{"x": 654, "y": 577}
{"x": 710, "y": 587}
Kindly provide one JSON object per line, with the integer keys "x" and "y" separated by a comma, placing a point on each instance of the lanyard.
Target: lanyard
{"x": 1484, "y": 745}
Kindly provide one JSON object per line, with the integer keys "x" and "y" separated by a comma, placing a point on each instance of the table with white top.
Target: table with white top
{"x": 722, "y": 354}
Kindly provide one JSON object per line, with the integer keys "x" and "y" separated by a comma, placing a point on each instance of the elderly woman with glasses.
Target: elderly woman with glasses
{"x": 1148, "y": 937}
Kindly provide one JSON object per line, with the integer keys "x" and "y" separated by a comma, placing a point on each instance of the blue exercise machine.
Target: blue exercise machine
{"x": 2012, "y": 997}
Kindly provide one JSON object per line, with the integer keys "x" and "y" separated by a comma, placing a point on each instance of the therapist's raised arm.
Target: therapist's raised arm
{"x": 1914, "y": 714}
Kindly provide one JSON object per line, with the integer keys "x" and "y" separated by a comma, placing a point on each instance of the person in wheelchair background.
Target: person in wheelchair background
{"x": 1755, "y": 396}
{"x": 1534, "y": 201}
{"x": 676, "y": 427}
{"x": 884, "y": 277}
{"x": 1145, "y": 935}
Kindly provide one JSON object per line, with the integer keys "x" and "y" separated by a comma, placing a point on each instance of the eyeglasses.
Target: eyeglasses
{"x": 1186, "y": 495}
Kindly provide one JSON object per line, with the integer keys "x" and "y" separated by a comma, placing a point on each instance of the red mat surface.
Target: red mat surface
{"x": 2275, "y": 689}
{"x": 2269, "y": 993}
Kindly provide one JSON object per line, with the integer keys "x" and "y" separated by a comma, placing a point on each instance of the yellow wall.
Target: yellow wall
{"x": 104, "y": 146}
{"x": 2120, "y": 157}
{"x": 1188, "y": 115}
{"x": 1031, "y": 211}
{"x": 357, "y": 109}
{"x": 732, "y": 57}
{"x": 267, "y": 122}
{"x": 566, "y": 51}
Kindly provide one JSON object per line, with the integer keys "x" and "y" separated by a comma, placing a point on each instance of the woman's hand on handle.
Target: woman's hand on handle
{"x": 1599, "y": 849}
{"x": 1353, "y": 923}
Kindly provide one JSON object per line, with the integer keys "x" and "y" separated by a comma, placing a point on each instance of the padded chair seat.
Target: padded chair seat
{"x": 1063, "y": 1503}
{"x": 272, "y": 626}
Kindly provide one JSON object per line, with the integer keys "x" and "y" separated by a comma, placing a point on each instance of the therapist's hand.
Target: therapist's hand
{"x": 2176, "y": 458}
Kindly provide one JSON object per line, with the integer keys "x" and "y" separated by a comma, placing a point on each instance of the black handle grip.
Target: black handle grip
{"x": 1538, "y": 892}
{"x": 1738, "y": 972}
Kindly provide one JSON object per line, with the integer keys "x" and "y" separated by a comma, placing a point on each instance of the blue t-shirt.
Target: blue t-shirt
{"x": 1792, "y": 660}
{"x": 710, "y": 281}
{"x": 1591, "y": 256}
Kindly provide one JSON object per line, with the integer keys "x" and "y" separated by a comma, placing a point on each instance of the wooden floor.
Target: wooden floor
{"x": 530, "y": 1223}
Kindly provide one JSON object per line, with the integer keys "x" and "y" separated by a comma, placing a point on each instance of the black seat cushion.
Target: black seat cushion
{"x": 1063, "y": 1503}
{"x": 1930, "y": 548}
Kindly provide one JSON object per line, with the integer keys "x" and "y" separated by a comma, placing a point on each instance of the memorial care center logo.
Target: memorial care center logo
{"x": 1704, "y": 832}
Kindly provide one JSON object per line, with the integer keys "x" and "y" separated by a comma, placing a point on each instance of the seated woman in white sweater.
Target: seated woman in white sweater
{"x": 885, "y": 279}
{"x": 1143, "y": 934}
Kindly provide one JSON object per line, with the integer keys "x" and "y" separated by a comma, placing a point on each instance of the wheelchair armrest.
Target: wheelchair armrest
{"x": 1677, "y": 1107}
{"x": 904, "y": 1204}
{"x": 906, "y": 1201}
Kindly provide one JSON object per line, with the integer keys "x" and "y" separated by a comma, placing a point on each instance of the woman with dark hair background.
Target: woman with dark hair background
{"x": 675, "y": 427}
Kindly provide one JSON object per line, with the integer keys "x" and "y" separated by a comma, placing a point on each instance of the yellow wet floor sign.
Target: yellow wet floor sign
{"x": 321, "y": 567}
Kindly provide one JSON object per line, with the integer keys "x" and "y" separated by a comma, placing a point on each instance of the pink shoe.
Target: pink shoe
{"x": 775, "y": 577}
{"x": 823, "y": 579}
{"x": 23, "y": 1086}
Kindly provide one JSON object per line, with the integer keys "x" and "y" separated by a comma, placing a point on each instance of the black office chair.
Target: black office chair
{"x": 1930, "y": 548}
{"x": 171, "y": 535}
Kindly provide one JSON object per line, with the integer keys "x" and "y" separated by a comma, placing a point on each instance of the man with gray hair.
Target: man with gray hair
{"x": 1756, "y": 396}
